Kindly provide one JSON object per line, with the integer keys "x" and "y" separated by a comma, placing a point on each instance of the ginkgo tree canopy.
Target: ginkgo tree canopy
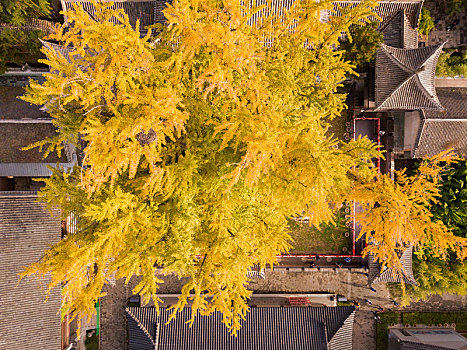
{"x": 199, "y": 142}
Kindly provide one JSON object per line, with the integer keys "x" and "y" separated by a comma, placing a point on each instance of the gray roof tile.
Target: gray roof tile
{"x": 264, "y": 328}
{"x": 398, "y": 32}
{"x": 388, "y": 9}
{"x": 31, "y": 169}
{"x": 147, "y": 11}
{"x": 26, "y": 230}
{"x": 445, "y": 129}
{"x": 14, "y": 136}
{"x": 13, "y": 108}
{"x": 454, "y": 100}
{"x": 437, "y": 135}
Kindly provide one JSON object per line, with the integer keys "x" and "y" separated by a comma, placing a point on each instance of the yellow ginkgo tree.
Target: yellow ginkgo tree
{"x": 396, "y": 214}
{"x": 199, "y": 142}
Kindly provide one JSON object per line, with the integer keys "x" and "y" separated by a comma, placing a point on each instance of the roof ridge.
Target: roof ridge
{"x": 432, "y": 98}
{"x": 395, "y": 60}
{"x": 339, "y": 340}
{"x": 406, "y": 81}
{"x": 21, "y": 194}
{"x": 436, "y": 51}
{"x": 407, "y": 255}
{"x": 434, "y": 56}
{"x": 140, "y": 325}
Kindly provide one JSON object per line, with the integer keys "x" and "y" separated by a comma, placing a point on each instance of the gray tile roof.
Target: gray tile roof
{"x": 147, "y": 11}
{"x": 408, "y": 345}
{"x": 31, "y": 169}
{"x": 32, "y": 24}
{"x": 13, "y": 108}
{"x": 437, "y": 135}
{"x": 14, "y": 136}
{"x": 454, "y": 101}
{"x": 446, "y": 129}
{"x": 313, "y": 328}
{"x": 26, "y": 230}
{"x": 388, "y": 9}
{"x": 375, "y": 275}
{"x": 398, "y": 32}
{"x": 60, "y": 49}
{"x": 405, "y": 78}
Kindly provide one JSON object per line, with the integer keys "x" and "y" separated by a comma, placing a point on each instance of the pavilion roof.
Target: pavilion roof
{"x": 405, "y": 78}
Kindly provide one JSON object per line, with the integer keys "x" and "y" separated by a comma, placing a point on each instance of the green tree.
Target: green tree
{"x": 19, "y": 47}
{"x": 361, "y": 45}
{"x": 457, "y": 6}
{"x": 452, "y": 64}
{"x": 435, "y": 276}
{"x": 425, "y": 23}
{"x": 19, "y": 42}
{"x": 397, "y": 214}
{"x": 17, "y": 12}
{"x": 452, "y": 208}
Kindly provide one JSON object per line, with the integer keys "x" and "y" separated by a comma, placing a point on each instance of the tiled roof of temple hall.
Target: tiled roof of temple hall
{"x": 293, "y": 328}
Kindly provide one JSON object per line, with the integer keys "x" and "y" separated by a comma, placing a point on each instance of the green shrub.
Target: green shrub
{"x": 19, "y": 47}
{"x": 92, "y": 342}
{"x": 436, "y": 318}
{"x": 452, "y": 64}
{"x": 457, "y": 6}
{"x": 387, "y": 319}
{"x": 17, "y": 12}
